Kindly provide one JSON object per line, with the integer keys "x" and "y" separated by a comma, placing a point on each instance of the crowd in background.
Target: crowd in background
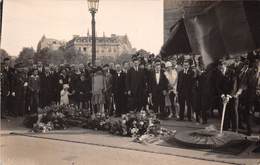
{"x": 180, "y": 89}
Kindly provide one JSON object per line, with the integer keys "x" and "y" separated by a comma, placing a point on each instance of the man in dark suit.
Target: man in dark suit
{"x": 135, "y": 86}
{"x": 158, "y": 84}
{"x": 227, "y": 85}
{"x": 7, "y": 87}
{"x": 111, "y": 69}
{"x": 118, "y": 89}
{"x": 184, "y": 89}
{"x": 41, "y": 73}
{"x": 46, "y": 87}
{"x": 249, "y": 93}
{"x": 81, "y": 91}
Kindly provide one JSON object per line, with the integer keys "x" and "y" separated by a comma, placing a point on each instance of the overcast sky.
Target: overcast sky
{"x": 25, "y": 21}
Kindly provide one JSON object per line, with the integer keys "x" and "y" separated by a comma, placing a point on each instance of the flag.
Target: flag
{"x": 222, "y": 28}
{"x": 178, "y": 41}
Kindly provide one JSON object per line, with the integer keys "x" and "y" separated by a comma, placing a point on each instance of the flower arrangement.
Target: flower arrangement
{"x": 56, "y": 117}
{"x": 143, "y": 126}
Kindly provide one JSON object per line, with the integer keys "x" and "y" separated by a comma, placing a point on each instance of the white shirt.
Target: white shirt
{"x": 185, "y": 71}
{"x": 157, "y": 77}
{"x": 118, "y": 74}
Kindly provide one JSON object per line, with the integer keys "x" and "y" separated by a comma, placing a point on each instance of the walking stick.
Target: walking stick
{"x": 225, "y": 102}
{"x": 236, "y": 112}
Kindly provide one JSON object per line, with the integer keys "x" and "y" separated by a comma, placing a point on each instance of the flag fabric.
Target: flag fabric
{"x": 221, "y": 28}
{"x": 178, "y": 41}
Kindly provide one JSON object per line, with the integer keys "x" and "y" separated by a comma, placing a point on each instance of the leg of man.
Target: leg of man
{"x": 182, "y": 106}
{"x": 188, "y": 102}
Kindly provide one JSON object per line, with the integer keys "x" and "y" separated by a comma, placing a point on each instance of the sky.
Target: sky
{"x": 26, "y": 21}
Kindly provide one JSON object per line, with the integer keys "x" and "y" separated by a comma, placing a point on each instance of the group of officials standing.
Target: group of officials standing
{"x": 180, "y": 89}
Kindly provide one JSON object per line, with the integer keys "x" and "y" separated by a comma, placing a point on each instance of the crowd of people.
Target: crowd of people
{"x": 180, "y": 89}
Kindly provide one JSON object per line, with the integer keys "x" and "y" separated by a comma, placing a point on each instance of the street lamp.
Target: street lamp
{"x": 1, "y": 19}
{"x": 93, "y": 8}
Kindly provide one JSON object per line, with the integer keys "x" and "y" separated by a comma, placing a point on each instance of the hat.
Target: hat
{"x": 168, "y": 64}
{"x": 66, "y": 86}
{"x": 157, "y": 60}
{"x": 98, "y": 69}
{"x": 134, "y": 57}
{"x": 6, "y": 59}
{"x": 106, "y": 65}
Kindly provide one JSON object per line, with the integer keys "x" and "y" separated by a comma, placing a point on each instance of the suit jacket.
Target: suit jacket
{"x": 157, "y": 89}
{"x": 34, "y": 83}
{"x": 46, "y": 84}
{"x": 251, "y": 86}
{"x": 7, "y": 81}
{"x": 185, "y": 82}
{"x": 135, "y": 82}
{"x": 119, "y": 86}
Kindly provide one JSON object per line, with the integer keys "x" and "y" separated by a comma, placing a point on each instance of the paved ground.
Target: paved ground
{"x": 29, "y": 151}
{"x": 80, "y": 146}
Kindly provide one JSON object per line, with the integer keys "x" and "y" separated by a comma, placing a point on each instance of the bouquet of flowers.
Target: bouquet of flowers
{"x": 42, "y": 127}
{"x": 98, "y": 121}
{"x": 56, "y": 116}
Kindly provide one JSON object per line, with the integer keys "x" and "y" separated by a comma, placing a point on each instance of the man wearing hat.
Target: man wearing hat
{"x": 249, "y": 92}
{"x": 135, "y": 86}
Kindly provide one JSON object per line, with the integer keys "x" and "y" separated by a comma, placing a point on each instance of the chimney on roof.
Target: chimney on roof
{"x": 104, "y": 34}
{"x": 88, "y": 33}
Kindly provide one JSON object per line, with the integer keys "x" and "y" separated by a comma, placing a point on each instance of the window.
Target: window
{"x": 80, "y": 49}
{"x": 84, "y": 49}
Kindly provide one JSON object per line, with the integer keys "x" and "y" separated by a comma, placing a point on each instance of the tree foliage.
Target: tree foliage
{"x": 26, "y": 56}
{"x": 3, "y": 55}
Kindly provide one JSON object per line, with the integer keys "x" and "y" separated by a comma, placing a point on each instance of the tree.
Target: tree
{"x": 26, "y": 56}
{"x": 49, "y": 56}
{"x": 124, "y": 57}
{"x": 75, "y": 57}
{"x": 3, "y": 55}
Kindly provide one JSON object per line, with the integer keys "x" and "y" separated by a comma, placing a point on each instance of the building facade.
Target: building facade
{"x": 49, "y": 43}
{"x": 112, "y": 46}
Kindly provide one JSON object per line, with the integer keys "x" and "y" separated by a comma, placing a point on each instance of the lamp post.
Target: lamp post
{"x": 1, "y": 19}
{"x": 93, "y": 8}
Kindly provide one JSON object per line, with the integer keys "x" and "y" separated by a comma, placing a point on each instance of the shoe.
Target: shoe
{"x": 170, "y": 116}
